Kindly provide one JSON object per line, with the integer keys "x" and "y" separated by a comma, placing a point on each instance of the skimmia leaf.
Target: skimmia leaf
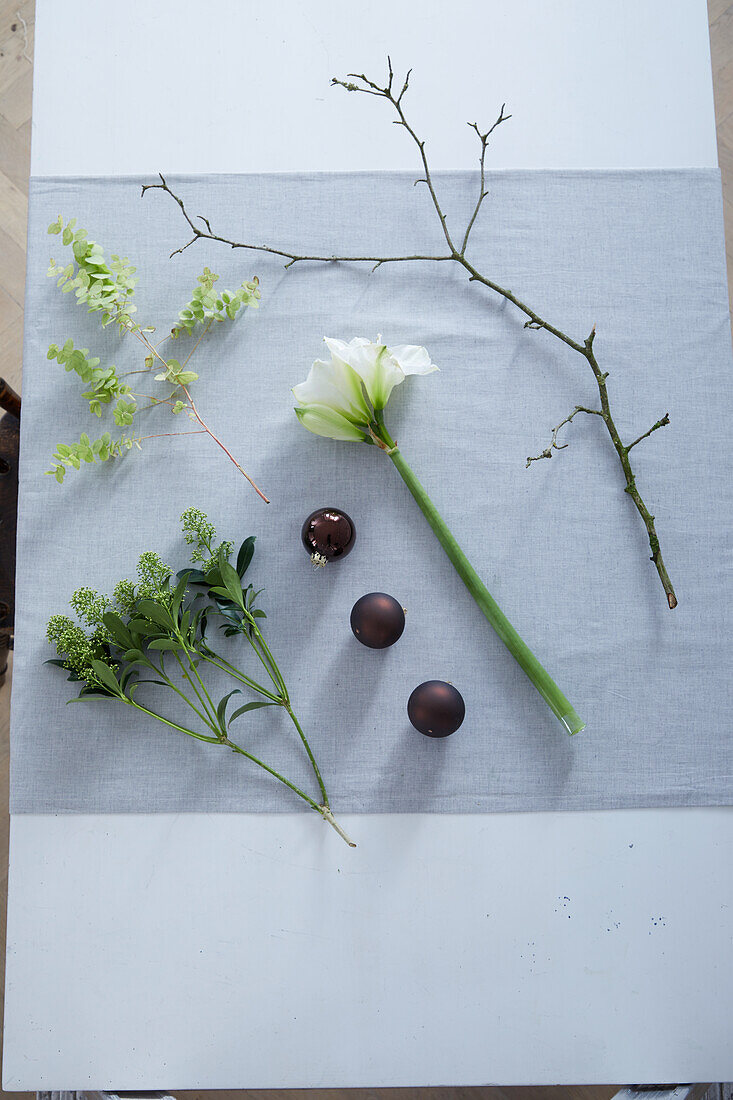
{"x": 244, "y": 557}
{"x": 232, "y": 582}
{"x": 222, "y": 707}
{"x": 256, "y": 705}
{"x": 106, "y": 676}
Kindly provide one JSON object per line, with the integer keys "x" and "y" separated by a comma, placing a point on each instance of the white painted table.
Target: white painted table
{"x": 226, "y": 951}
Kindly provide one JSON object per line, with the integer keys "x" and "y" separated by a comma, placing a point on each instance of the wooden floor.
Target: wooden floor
{"x": 16, "y": 69}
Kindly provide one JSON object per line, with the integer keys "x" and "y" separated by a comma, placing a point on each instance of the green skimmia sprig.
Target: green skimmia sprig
{"x": 156, "y": 631}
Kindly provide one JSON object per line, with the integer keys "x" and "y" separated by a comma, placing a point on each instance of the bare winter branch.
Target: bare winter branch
{"x": 359, "y": 82}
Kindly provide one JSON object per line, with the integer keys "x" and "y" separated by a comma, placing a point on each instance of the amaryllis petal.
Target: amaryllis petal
{"x": 381, "y": 368}
{"x": 334, "y": 384}
{"x": 322, "y": 420}
{"x": 377, "y": 369}
{"x": 413, "y": 359}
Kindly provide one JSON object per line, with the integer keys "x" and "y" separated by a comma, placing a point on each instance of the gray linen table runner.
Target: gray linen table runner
{"x": 560, "y": 546}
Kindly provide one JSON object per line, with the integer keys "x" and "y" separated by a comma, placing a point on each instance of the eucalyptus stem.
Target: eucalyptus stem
{"x": 191, "y": 353}
{"x": 546, "y": 686}
{"x": 153, "y": 350}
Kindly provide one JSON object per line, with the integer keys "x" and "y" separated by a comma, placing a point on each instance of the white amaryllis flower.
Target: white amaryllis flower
{"x": 340, "y": 396}
{"x": 344, "y": 399}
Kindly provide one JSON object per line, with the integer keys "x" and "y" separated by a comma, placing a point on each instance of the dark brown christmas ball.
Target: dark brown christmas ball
{"x": 436, "y": 708}
{"x": 377, "y": 620}
{"x": 328, "y": 534}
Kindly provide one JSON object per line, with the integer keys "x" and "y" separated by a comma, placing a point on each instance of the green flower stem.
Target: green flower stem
{"x": 263, "y": 646}
{"x": 260, "y": 763}
{"x": 265, "y": 664}
{"x": 195, "y": 672}
{"x": 286, "y": 702}
{"x": 223, "y": 740}
{"x": 324, "y": 810}
{"x": 268, "y": 663}
{"x": 541, "y": 679}
{"x": 283, "y": 700}
{"x": 167, "y": 722}
{"x": 311, "y": 757}
{"x": 264, "y": 655}
{"x": 263, "y": 652}
{"x": 163, "y": 674}
{"x": 207, "y": 717}
{"x": 224, "y": 666}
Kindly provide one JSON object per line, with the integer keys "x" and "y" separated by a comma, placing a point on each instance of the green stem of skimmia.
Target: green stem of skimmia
{"x": 539, "y": 676}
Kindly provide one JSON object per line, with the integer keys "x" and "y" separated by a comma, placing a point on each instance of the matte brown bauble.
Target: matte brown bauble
{"x": 436, "y": 708}
{"x": 377, "y": 620}
{"x": 328, "y": 535}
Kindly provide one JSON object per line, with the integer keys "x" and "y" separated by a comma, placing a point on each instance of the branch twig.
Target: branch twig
{"x": 659, "y": 424}
{"x": 166, "y": 435}
{"x": 554, "y": 445}
{"x": 482, "y": 192}
{"x": 360, "y": 83}
{"x": 291, "y": 257}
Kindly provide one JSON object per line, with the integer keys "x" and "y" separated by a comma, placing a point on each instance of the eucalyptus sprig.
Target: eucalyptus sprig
{"x": 71, "y": 455}
{"x": 104, "y": 385}
{"x": 107, "y": 287}
{"x": 207, "y": 305}
{"x": 154, "y": 631}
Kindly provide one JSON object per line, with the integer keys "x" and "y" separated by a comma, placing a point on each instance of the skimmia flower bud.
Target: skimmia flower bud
{"x": 344, "y": 398}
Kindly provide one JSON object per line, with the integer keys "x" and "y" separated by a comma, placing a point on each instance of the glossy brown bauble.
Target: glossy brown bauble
{"x": 436, "y": 708}
{"x": 377, "y": 620}
{"x": 328, "y": 535}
